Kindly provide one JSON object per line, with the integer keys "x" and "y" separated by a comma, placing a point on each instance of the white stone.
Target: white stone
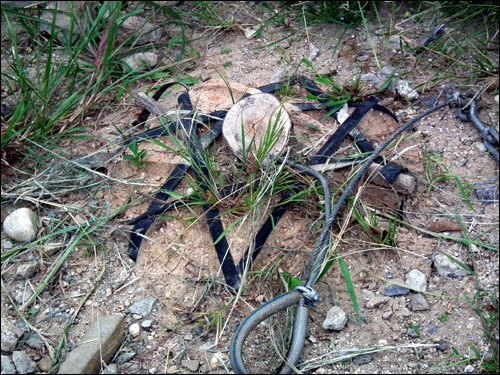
{"x": 134, "y": 329}
{"x": 144, "y": 59}
{"x": 20, "y": 225}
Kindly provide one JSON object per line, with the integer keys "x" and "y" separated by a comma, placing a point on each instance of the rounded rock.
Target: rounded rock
{"x": 134, "y": 330}
{"x": 20, "y": 225}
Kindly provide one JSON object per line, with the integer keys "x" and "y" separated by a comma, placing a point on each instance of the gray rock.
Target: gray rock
{"x": 448, "y": 268}
{"x": 370, "y": 77}
{"x": 487, "y": 191}
{"x": 52, "y": 248}
{"x": 7, "y": 245}
{"x": 396, "y": 39}
{"x": 403, "y": 88}
{"x": 18, "y": 4}
{"x": 147, "y": 31}
{"x": 147, "y": 324}
{"x": 419, "y": 303}
{"x": 443, "y": 346}
{"x": 143, "y": 60}
{"x": 204, "y": 77}
{"x": 35, "y": 342}
{"x": 278, "y": 76}
{"x": 367, "y": 295}
{"x": 10, "y": 336}
{"x": 387, "y": 315}
{"x": 416, "y": 280}
{"x": 392, "y": 289}
{"x": 7, "y": 365}
{"x": 143, "y": 307}
{"x": 191, "y": 364}
{"x": 27, "y": 270}
{"x": 336, "y": 319}
{"x": 112, "y": 368}
{"x": 412, "y": 333}
{"x": 313, "y": 54}
{"x": 20, "y": 225}
{"x": 125, "y": 356}
{"x": 376, "y": 302}
{"x": 23, "y": 363}
{"x": 481, "y": 147}
{"x": 63, "y": 20}
{"x": 86, "y": 357}
{"x": 362, "y": 359}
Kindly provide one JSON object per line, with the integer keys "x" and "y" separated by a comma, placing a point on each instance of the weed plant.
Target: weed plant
{"x": 69, "y": 74}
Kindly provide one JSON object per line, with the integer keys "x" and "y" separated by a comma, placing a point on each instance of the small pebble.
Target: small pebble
{"x": 134, "y": 329}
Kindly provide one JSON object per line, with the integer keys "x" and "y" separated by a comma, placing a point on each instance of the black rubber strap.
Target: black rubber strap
{"x": 389, "y": 171}
{"x": 342, "y": 132}
{"x": 263, "y": 234}
{"x": 221, "y": 246}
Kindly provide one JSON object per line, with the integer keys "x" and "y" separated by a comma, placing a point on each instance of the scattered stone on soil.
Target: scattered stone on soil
{"x": 487, "y": 191}
{"x": 10, "y": 336}
{"x": 402, "y": 87}
{"x": 26, "y": 270}
{"x": 362, "y": 359}
{"x": 336, "y": 319}
{"x": 367, "y": 295}
{"x": 63, "y": 21}
{"x": 125, "y": 356}
{"x": 143, "y": 60}
{"x": 34, "y": 341}
{"x": 45, "y": 363}
{"x": 86, "y": 357}
{"x": 416, "y": 280}
{"x": 191, "y": 364}
{"x": 134, "y": 329}
{"x": 393, "y": 290}
{"x": 376, "y": 302}
{"x": 448, "y": 268}
{"x": 7, "y": 365}
{"x": 24, "y": 364}
{"x": 146, "y": 325}
{"x": 148, "y": 31}
{"x": 142, "y": 308}
{"x": 419, "y": 303}
{"x": 20, "y": 225}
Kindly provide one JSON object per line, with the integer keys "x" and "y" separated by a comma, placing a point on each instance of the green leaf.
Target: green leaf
{"x": 292, "y": 282}
{"x": 350, "y": 287}
{"x": 476, "y": 351}
{"x": 165, "y": 94}
{"x": 188, "y": 81}
{"x": 160, "y": 75}
{"x": 133, "y": 146}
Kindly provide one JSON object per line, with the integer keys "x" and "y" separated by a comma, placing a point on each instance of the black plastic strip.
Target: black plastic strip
{"x": 221, "y": 246}
{"x": 263, "y": 233}
{"x": 173, "y": 180}
{"x": 332, "y": 144}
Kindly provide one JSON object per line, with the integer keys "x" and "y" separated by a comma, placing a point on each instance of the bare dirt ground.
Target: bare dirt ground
{"x": 178, "y": 265}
